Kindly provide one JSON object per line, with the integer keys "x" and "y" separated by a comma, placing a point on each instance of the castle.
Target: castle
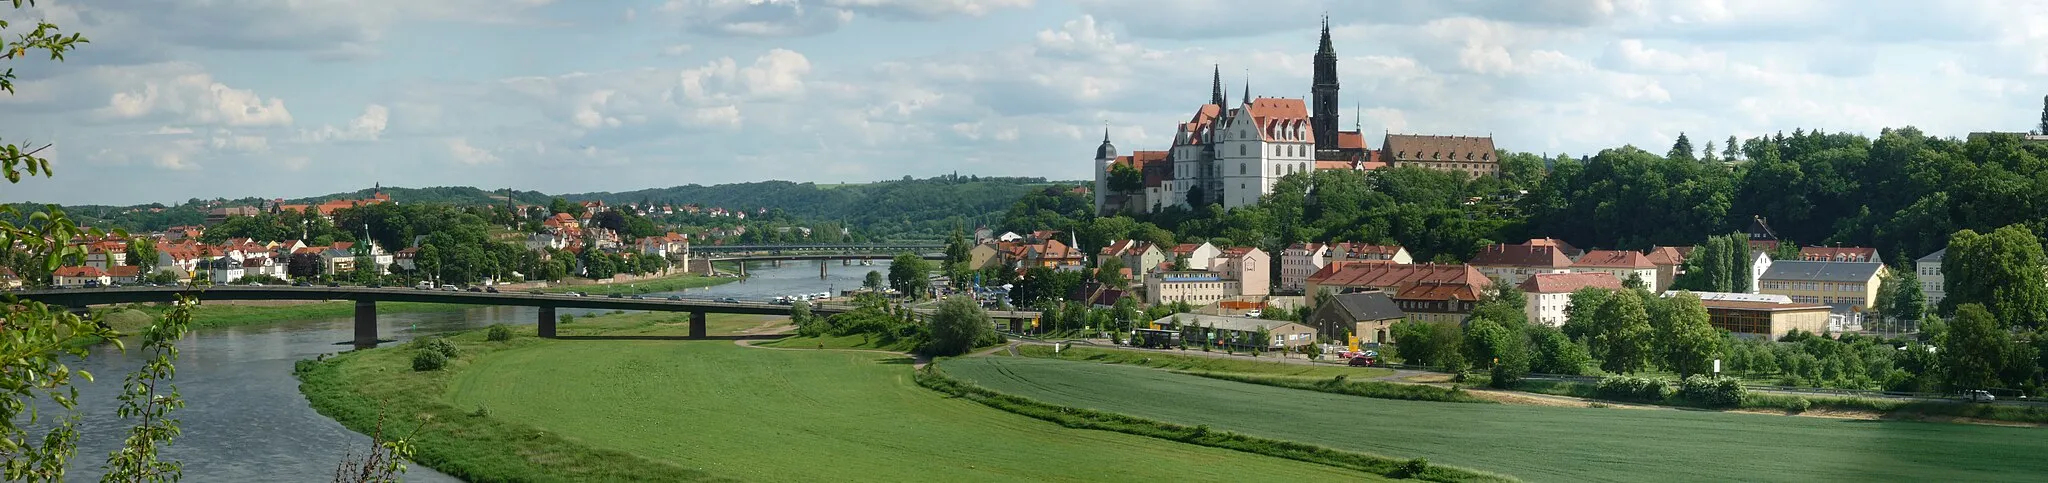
{"x": 1232, "y": 155}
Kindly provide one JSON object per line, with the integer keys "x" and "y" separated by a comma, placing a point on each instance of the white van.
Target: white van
{"x": 424, "y": 285}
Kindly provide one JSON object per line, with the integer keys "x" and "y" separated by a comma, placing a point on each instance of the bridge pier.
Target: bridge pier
{"x": 366, "y": 324}
{"x": 697, "y": 325}
{"x": 821, "y": 268}
{"x": 547, "y": 322}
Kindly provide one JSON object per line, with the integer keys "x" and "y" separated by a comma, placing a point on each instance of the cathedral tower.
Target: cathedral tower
{"x": 1324, "y": 113}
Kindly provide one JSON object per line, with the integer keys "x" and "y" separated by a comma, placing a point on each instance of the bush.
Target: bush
{"x": 567, "y": 318}
{"x": 1712, "y": 391}
{"x": 1799, "y": 405}
{"x": 1411, "y": 468}
{"x": 480, "y": 412}
{"x": 1630, "y": 388}
{"x": 427, "y": 360}
{"x": 442, "y": 346}
{"x": 499, "y": 333}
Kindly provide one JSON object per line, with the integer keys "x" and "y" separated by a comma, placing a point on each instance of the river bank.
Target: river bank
{"x": 672, "y": 283}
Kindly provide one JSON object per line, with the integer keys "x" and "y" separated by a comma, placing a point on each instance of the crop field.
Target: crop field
{"x": 757, "y": 414}
{"x": 1539, "y": 443}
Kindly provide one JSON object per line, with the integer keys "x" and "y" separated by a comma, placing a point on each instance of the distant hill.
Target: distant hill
{"x": 931, "y": 206}
{"x": 456, "y": 195}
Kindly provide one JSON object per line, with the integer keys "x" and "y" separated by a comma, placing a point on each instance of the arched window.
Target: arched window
{"x": 1240, "y": 150}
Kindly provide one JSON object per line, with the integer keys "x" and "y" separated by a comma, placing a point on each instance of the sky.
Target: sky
{"x": 270, "y": 98}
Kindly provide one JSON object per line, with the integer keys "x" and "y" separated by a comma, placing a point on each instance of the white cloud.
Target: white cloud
{"x": 196, "y": 98}
{"x": 367, "y": 127}
{"x": 675, "y": 50}
{"x": 462, "y": 152}
{"x": 791, "y": 18}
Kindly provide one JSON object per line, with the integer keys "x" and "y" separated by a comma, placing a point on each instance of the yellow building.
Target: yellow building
{"x": 1848, "y": 287}
{"x": 1771, "y": 319}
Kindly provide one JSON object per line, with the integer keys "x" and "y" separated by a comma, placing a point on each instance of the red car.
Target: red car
{"x": 1364, "y": 361}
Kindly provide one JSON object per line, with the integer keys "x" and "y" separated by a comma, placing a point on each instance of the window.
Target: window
{"x": 1240, "y": 168}
{"x": 1240, "y": 150}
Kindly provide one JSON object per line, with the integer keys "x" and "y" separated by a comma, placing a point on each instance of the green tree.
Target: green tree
{"x": 2001, "y": 271}
{"x": 1975, "y": 349}
{"x": 1125, "y": 179}
{"x": 1551, "y": 352}
{"x": 1623, "y": 337}
{"x": 910, "y": 275}
{"x": 1690, "y": 343}
{"x": 957, "y": 249}
{"x": 1582, "y": 312}
{"x": 957, "y": 326}
{"x": 1900, "y": 300}
{"x": 1682, "y": 150}
{"x": 1110, "y": 273}
{"x": 1708, "y": 155}
{"x": 1728, "y": 151}
{"x": 874, "y": 281}
{"x": 142, "y": 254}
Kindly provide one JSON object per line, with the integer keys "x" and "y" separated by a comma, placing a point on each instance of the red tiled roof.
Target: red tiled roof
{"x": 1381, "y": 274}
{"x": 1614, "y": 259}
{"x": 124, "y": 271}
{"x": 1569, "y": 282}
{"x": 1281, "y": 119}
{"x": 1361, "y": 250}
{"x": 1665, "y": 256}
{"x": 1524, "y": 255}
{"x": 1115, "y": 248}
{"x": 1440, "y": 291}
{"x": 1410, "y": 147}
{"x": 78, "y": 271}
{"x": 1350, "y": 140}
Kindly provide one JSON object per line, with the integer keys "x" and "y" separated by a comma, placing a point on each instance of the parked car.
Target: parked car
{"x": 301, "y": 283}
{"x": 424, "y": 285}
{"x": 490, "y": 289}
{"x": 728, "y": 300}
{"x": 615, "y": 295}
{"x": 255, "y": 284}
{"x": 92, "y": 284}
{"x": 537, "y": 292}
{"x": 636, "y": 297}
{"x": 1364, "y": 361}
{"x": 450, "y": 288}
{"x": 1979, "y": 396}
{"x": 574, "y": 294}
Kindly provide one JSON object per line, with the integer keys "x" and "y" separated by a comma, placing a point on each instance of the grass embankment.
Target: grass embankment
{"x": 664, "y": 284}
{"x": 1332, "y": 378}
{"x": 230, "y": 315}
{"x": 856, "y": 341}
{"x": 1078, "y": 418}
{"x": 1897, "y": 409}
{"x": 1533, "y": 442}
{"x": 1202, "y": 364}
{"x": 663, "y": 410}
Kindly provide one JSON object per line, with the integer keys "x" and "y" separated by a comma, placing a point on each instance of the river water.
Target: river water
{"x": 245, "y": 420}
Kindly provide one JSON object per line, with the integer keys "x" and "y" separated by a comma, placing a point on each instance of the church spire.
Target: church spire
{"x": 1323, "y": 114}
{"x": 1216, "y": 88}
{"x": 1247, "y": 86}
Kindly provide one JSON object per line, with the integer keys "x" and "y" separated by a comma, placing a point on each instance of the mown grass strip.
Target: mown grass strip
{"x": 931, "y": 377}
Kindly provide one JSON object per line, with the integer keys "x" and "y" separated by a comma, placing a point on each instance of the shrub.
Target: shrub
{"x": 442, "y": 346}
{"x": 567, "y": 318}
{"x": 1411, "y": 468}
{"x": 1630, "y": 388}
{"x": 427, "y": 360}
{"x": 499, "y": 333}
{"x": 1712, "y": 391}
{"x": 480, "y": 412}
{"x": 1799, "y": 405}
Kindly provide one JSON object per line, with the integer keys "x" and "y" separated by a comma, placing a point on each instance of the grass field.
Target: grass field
{"x": 838, "y": 342}
{"x": 229, "y": 315}
{"x": 1539, "y": 443}
{"x": 664, "y": 284}
{"x": 680, "y": 410}
{"x": 1197, "y": 363}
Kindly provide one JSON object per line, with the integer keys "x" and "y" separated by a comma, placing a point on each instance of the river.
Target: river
{"x": 245, "y": 420}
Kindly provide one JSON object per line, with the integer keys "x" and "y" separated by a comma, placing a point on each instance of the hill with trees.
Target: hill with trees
{"x": 924, "y": 208}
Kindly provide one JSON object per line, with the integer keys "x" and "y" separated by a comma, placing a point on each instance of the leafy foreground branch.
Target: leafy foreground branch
{"x": 932, "y": 378}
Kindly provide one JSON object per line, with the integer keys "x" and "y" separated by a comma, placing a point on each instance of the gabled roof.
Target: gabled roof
{"x": 1382, "y": 274}
{"x": 79, "y": 271}
{"x": 1614, "y": 259}
{"x": 1934, "y": 257}
{"x": 1840, "y": 254}
{"x": 1361, "y": 250}
{"x": 1810, "y": 271}
{"x": 1280, "y": 119}
{"x": 1367, "y": 306}
{"x": 1569, "y": 282}
{"x": 1440, "y": 291}
{"x": 1666, "y": 256}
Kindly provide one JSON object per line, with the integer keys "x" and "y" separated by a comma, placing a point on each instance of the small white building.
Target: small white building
{"x": 1548, "y": 294}
{"x": 1929, "y": 268}
{"x": 1756, "y": 271}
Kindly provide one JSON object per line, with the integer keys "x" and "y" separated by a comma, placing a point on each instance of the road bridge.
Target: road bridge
{"x": 822, "y": 258}
{"x": 366, "y": 299}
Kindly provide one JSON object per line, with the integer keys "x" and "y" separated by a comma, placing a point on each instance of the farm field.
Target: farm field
{"x": 754, "y": 414}
{"x": 1538, "y": 443}
{"x": 1196, "y": 361}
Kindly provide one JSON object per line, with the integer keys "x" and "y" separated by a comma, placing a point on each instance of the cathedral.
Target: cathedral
{"x": 1233, "y": 155}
